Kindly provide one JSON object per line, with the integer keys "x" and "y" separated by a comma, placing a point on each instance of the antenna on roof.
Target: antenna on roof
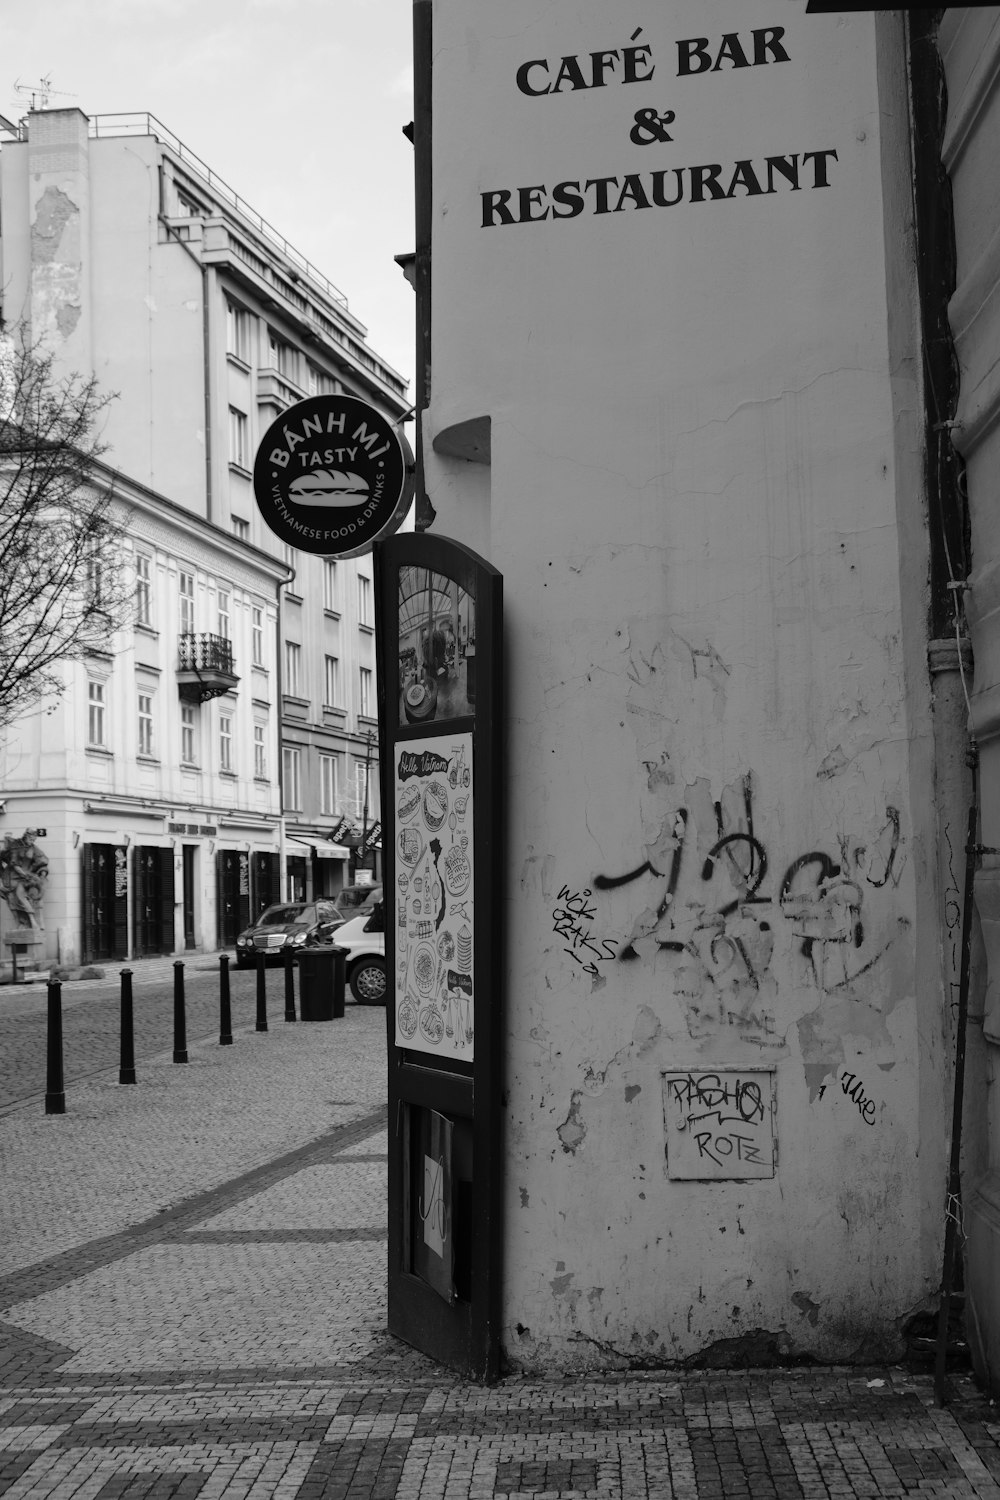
{"x": 39, "y": 93}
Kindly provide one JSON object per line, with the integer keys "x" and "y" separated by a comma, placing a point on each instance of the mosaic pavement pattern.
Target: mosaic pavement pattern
{"x": 229, "y": 1340}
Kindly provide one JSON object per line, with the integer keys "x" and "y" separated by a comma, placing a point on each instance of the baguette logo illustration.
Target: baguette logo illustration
{"x": 332, "y": 476}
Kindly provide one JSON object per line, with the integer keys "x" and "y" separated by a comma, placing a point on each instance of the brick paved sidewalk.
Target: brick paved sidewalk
{"x": 192, "y": 1304}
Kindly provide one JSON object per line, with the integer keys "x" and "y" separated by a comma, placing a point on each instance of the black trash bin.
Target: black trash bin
{"x": 321, "y": 983}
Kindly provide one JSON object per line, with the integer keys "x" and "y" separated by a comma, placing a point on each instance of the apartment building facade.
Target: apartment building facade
{"x": 198, "y": 770}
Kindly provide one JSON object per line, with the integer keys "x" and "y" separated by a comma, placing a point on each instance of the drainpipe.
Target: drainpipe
{"x": 279, "y": 686}
{"x": 422, "y": 64}
{"x": 950, "y": 550}
{"x": 207, "y": 373}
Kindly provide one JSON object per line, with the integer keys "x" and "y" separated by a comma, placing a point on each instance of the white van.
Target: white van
{"x": 364, "y": 938}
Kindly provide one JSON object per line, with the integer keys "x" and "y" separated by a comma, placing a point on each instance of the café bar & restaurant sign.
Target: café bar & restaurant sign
{"x": 333, "y": 476}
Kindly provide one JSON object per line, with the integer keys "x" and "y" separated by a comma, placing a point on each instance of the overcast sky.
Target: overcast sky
{"x": 297, "y": 104}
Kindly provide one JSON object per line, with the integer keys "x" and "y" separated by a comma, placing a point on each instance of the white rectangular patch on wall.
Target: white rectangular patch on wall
{"x": 719, "y": 1123}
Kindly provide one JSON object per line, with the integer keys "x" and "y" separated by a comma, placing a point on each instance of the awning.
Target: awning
{"x": 300, "y": 848}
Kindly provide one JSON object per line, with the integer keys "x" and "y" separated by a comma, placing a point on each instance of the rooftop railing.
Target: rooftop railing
{"x": 147, "y": 124}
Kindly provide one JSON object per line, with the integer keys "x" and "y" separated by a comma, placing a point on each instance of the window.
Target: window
{"x": 329, "y": 585}
{"x": 259, "y": 753}
{"x": 225, "y": 625}
{"x": 257, "y": 635}
{"x": 241, "y": 528}
{"x": 238, "y": 439}
{"x": 225, "y": 742}
{"x": 95, "y": 578}
{"x": 95, "y": 717}
{"x": 321, "y": 384}
{"x": 145, "y": 723}
{"x": 188, "y": 206}
{"x": 328, "y": 784}
{"x": 332, "y": 684}
{"x": 364, "y": 600}
{"x": 291, "y": 765}
{"x": 187, "y": 734}
{"x": 365, "y": 706}
{"x": 143, "y": 588}
{"x": 185, "y": 585}
{"x": 281, "y": 356}
{"x": 293, "y": 664}
{"x": 238, "y": 332}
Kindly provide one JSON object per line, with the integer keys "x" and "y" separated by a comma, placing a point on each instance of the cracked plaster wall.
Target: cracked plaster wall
{"x": 720, "y": 834}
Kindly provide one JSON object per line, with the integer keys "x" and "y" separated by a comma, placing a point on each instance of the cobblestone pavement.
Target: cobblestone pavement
{"x": 92, "y": 1017}
{"x": 192, "y": 1304}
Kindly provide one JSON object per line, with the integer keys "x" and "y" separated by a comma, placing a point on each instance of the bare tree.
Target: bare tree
{"x": 64, "y": 584}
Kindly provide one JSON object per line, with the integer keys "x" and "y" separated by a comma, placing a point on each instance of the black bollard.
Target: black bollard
{"x": 289, "y": 987}
{"x": 180, "y": 1025}
{"x": 55, "y": 1098}
{"x": 126, "y": 1062}
{"x": 261, "y": 992}
{"x": 225, "y": 1009}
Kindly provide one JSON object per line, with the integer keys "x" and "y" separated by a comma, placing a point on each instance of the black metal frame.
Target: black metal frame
{"x": 464, "y": 1334}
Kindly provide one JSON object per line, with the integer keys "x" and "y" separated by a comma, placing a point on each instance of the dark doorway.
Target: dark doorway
{"x": 234, "y": 894}
{"x": 154, "y": 901}
{"x": 105, "y": 902}
{"x": 189, "y": 852}
{"x": 266, "y": 890}
{"x": 296, "y": 878}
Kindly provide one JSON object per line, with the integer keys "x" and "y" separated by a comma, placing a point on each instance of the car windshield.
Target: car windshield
{"x": 284, "y": 916}
{"x": 358, "y": 895}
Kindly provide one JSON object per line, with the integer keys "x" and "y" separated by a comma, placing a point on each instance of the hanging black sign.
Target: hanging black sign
{"x": 332, "y": 476}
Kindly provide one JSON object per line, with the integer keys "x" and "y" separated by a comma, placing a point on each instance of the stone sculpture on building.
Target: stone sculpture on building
{"x": 24, "y": 870}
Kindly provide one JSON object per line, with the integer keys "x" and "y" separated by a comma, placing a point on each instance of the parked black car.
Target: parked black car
{"x": 353, "y": 897}
{"x": 291, "y": 924}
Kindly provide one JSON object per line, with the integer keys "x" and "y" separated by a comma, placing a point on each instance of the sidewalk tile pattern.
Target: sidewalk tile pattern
{"x": 192, "y": 1307}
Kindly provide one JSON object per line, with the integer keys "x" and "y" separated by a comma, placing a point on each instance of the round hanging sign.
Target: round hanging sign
{"x": 333, "y": 476}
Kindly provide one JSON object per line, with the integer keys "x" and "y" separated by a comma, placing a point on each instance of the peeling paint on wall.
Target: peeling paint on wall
{"x": 57, "y": 260}
{"x": 55, "y": 211}
{"x": 807, "y": 1307}
{"x": 572, "y": 1130}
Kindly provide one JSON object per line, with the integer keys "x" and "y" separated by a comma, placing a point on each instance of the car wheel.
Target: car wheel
{"x": 368, "y": 984}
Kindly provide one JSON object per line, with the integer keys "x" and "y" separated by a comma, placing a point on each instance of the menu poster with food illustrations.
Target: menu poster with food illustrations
{"x": 432, "y": 905}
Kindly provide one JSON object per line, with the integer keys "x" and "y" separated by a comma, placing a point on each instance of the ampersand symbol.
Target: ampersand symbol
{"x": 650, "y": 126}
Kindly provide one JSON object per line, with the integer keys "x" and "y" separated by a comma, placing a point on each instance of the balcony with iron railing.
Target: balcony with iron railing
{"x": 205, "y": 667}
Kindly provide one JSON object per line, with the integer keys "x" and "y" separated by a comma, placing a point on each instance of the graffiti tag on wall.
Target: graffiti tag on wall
{"x": 571, "y": 920}
{"x": 719, "y": 912}
{"x": 720, "y": 1125}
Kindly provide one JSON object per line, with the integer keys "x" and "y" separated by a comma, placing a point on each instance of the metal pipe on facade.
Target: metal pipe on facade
{"x": 953, "y": 1205}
